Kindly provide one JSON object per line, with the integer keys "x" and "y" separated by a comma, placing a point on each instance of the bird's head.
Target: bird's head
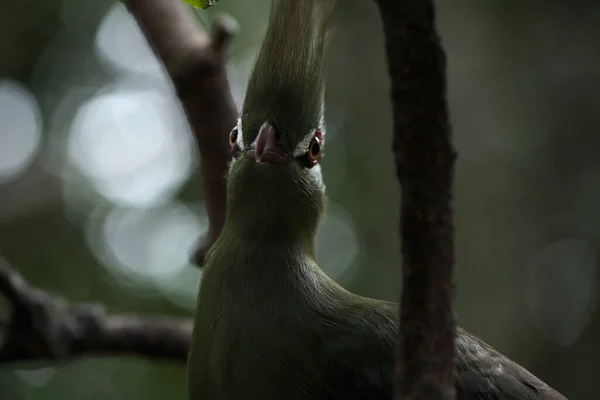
{"x": 274, "y": 185}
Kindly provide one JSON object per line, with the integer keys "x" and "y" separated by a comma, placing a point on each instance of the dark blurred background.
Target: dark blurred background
{"x": 99, "y": 201}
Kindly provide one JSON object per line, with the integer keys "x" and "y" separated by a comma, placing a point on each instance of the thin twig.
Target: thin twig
{"x": 195, "y": 63}
{"x": 45, "y": 327}
{"x": 424, "y": 165}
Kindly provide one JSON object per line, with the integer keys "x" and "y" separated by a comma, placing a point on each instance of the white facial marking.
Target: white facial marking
{"x": 317, "y": 175}
{"x": 240, "y": 138}
{"x": 302, "y": 147}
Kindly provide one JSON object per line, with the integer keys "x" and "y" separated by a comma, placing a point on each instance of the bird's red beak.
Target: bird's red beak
{"x": 264, "y": 149}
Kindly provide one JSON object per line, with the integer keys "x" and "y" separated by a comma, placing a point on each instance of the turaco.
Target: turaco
{"x": 270, "y": 325}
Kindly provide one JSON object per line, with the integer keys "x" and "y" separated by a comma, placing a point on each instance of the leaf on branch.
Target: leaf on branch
{"x": 201, "y": 3}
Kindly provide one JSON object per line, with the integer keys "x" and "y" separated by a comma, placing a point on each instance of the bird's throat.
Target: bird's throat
{"x": 272, "y": 205}
{"x": 261, "y": 227}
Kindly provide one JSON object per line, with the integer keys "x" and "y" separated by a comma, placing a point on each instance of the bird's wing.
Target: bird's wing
{"x": 483, "y": 373}
{"x": 365, "y": 347}
{"x": 365, "y": 366}
{"x": 361, "y": 371}
{"x": 360, "y": 353}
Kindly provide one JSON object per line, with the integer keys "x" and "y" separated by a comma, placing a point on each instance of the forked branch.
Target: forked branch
{"x": 195, "y": 62}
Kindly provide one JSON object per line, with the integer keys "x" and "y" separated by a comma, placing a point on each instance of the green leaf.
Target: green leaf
{"x": 201, "y": 3}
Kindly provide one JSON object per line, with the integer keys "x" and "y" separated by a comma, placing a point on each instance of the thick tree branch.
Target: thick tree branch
{"x": 195, "y": 63}
{"x": 424, "y": 166}
{"x": 44, "y": 327}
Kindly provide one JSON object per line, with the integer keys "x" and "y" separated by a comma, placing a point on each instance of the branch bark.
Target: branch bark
{"x": 43, "y": 327}
{"x": 195, "y": 63}
{"x": 424, "y": 165}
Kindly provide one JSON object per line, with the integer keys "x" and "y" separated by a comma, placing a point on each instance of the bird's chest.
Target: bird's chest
{"x": 248, "y": 338}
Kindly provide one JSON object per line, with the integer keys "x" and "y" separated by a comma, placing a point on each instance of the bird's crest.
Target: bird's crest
{"x": 287, "y": 84}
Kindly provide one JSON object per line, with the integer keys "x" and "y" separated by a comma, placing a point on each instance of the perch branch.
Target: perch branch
{"x": 195, "y": 63}
{"x": 424, "y": 165}
{"x": 43, "y": 327}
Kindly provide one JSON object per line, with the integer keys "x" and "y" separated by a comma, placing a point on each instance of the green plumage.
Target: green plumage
{"x": 287, "y": 83}
{"x": 269, "y": 324}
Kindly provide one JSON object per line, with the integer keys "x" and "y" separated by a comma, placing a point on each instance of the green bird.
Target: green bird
{"x": 269, "y": 324}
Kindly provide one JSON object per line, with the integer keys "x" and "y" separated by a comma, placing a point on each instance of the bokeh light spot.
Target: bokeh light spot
{"x": 37, "y": 377}
{"x": 151, "y": 245}
{"x": 20, "y": 129}
{"x": 562, "y": 289}
{"x": 336, "y": 243}
{"x": 132, "y": 145}
{"x": 120, "y": 43}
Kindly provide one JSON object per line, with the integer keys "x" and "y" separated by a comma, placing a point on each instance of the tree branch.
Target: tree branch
{"x": 195, "y": 63}
{"x": 424, "y": 165}
{"x": 45, "y": 327}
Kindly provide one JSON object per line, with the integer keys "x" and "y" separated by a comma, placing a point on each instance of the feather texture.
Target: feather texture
{"x": 287, "y": 83}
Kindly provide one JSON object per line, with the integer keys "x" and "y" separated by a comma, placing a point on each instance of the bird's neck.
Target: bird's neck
{"x": 269, "y": 207}
{"x": 264, "y": 224}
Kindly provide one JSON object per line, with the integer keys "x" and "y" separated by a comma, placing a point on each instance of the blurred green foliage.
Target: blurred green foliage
{"x": 523, "y": 87}
{"x": 201, "y": 3}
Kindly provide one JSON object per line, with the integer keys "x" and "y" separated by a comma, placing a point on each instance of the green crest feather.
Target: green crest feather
{"x": 287, "y": 84}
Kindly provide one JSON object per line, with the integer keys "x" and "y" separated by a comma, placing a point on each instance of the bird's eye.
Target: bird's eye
{"x": 233, "y": 136}
{"x": 310, "y": 156}
{"x": 314, "y": 151}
